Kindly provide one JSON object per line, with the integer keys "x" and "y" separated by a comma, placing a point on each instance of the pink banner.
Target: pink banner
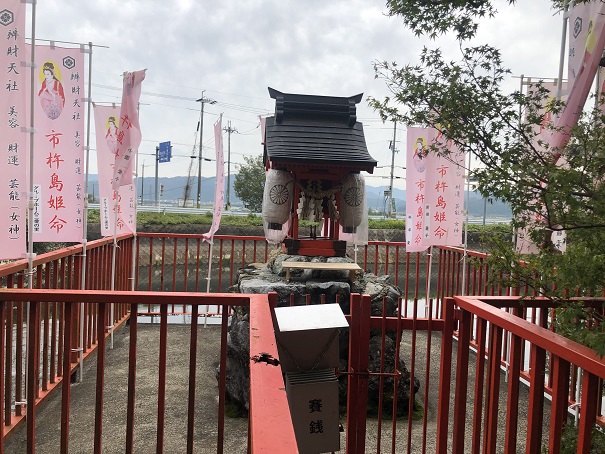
{"x": 418, "y": 140}
{"x": 107, "y": 127}
{"x": 542, "y": 132}
{"x": 129, "y": 135}
{"x": 13, "y": 167}
{"x": 219, "y": 191}
{"x": 445, "y": 194}
{"x": 58, "y": 144}
{"x": 591, "y": 53}
{"x": 548, "y": 119}
{"x": 434, "y": 192}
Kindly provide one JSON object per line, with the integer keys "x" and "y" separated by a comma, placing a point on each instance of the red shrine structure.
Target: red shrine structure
{"x": 314, "y": 151}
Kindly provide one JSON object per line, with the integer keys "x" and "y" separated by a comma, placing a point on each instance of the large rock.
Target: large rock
{"x": 388, "y": 383}
{"x": 238, "y": 359}
{"x": 308, "y": 286}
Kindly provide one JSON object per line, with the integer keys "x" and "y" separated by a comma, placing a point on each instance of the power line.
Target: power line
{"x": 193, "y": 88}
{"x": 239, "y": 107}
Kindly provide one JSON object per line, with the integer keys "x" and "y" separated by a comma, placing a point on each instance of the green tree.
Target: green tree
{"x": 465, "y": 100}
{"x": 250, "y": 183}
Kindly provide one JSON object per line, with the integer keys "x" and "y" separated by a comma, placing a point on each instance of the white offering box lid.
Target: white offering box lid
{"x": 312, "y": 317}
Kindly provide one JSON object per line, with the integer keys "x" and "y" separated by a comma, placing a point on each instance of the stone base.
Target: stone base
{"x": 316, "y": 287}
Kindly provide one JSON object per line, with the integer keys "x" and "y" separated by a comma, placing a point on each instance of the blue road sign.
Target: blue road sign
{"x": 165, "y": 152}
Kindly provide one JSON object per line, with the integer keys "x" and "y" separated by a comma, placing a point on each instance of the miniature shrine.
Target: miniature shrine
{"x": 314, "y": 153}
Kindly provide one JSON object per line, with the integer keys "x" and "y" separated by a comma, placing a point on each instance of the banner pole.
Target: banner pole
{"x": 209, "y": 277}
{"x": 218, "y": 201}
{"x": 468, "y": 190}
{"x": 136, "y": 208}
{"x": 429, "y": 270}
{"x": 134, "y": 260}
{"x": 566, "y": 12}
{"x": 113, "y": 265}
{"x": 133, "y": 269}
{"x": 30, "y": 202}
{"x": 85, "y": 217}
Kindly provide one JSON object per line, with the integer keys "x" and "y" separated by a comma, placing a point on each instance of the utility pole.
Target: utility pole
{"x": 392, "y": 168}
{"x": 143, "y": 183}
{"x": 203, "y": 101}
{"x": 157, "y": 163}
{"x": 229, "y": 130}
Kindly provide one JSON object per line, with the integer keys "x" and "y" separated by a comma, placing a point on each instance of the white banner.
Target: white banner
{"x": 263, "y": 125}
{"x": 58, "y": 145}
{"x": 106, "y": 130}
{"x": 13, "y": 168}
{"x": 584, "y": 21}
{"x": 583, "y": 76}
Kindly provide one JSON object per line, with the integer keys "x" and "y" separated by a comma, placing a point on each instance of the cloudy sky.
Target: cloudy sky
{"x": 235, "y": 49}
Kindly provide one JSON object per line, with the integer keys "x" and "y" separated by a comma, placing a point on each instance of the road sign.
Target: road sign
{"x": 165, "y": 152}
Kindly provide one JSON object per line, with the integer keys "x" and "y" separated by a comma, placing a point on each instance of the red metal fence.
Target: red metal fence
{"x": 489, "y": 415}
{"x": 180, "y": 263}
{"x": 62, "y": 269}
{"x": 70, "y": 300}
{"x": 270, "y": 426}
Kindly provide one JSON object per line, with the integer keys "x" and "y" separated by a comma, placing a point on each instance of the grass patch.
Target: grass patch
{"x": 252, "y": 220}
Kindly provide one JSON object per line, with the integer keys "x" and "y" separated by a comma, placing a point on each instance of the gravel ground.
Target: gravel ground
{"x": 116, "y": 382}
{"x": 114, "y": 417}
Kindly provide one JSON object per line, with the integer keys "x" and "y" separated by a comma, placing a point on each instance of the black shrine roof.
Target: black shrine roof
{"x": 316, "y": 130}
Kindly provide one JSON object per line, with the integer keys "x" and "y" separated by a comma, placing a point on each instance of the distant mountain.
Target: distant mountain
{"x": 377, "y": 202}
{"x": 174, "y": 188}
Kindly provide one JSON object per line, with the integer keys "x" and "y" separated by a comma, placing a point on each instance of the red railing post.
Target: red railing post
{"x": 66, "y": 384}
{"x": 19, "y": 360}
{"x": 101, "y": 324}
{"x": 54, "y": 358}
{"x": 8, "y": 363}
{"x": 536, "y": 399}
{"x": 3, "y": 329}
{"x": 45, "y": 344}
{"x": 491, "y": 404}
{"x": 357, "y": 394}
{"x": 479, "y": 386}
{"x": 443, "y": 404}
{"x": 132, "y": 371}
{"x": 353, "y": 378}
{"x": 192, "y": 368}
{"x": 512, "y": 404}
{"x": 558, "y": 409}
{"x": 162, "y": 379}
{"x": 588, "y": 411}
{"x": 222, "y": 381}
{"x": 364, "y": 359}
{"x": 464, "y": 337}
{"x": 32, "y": 373}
